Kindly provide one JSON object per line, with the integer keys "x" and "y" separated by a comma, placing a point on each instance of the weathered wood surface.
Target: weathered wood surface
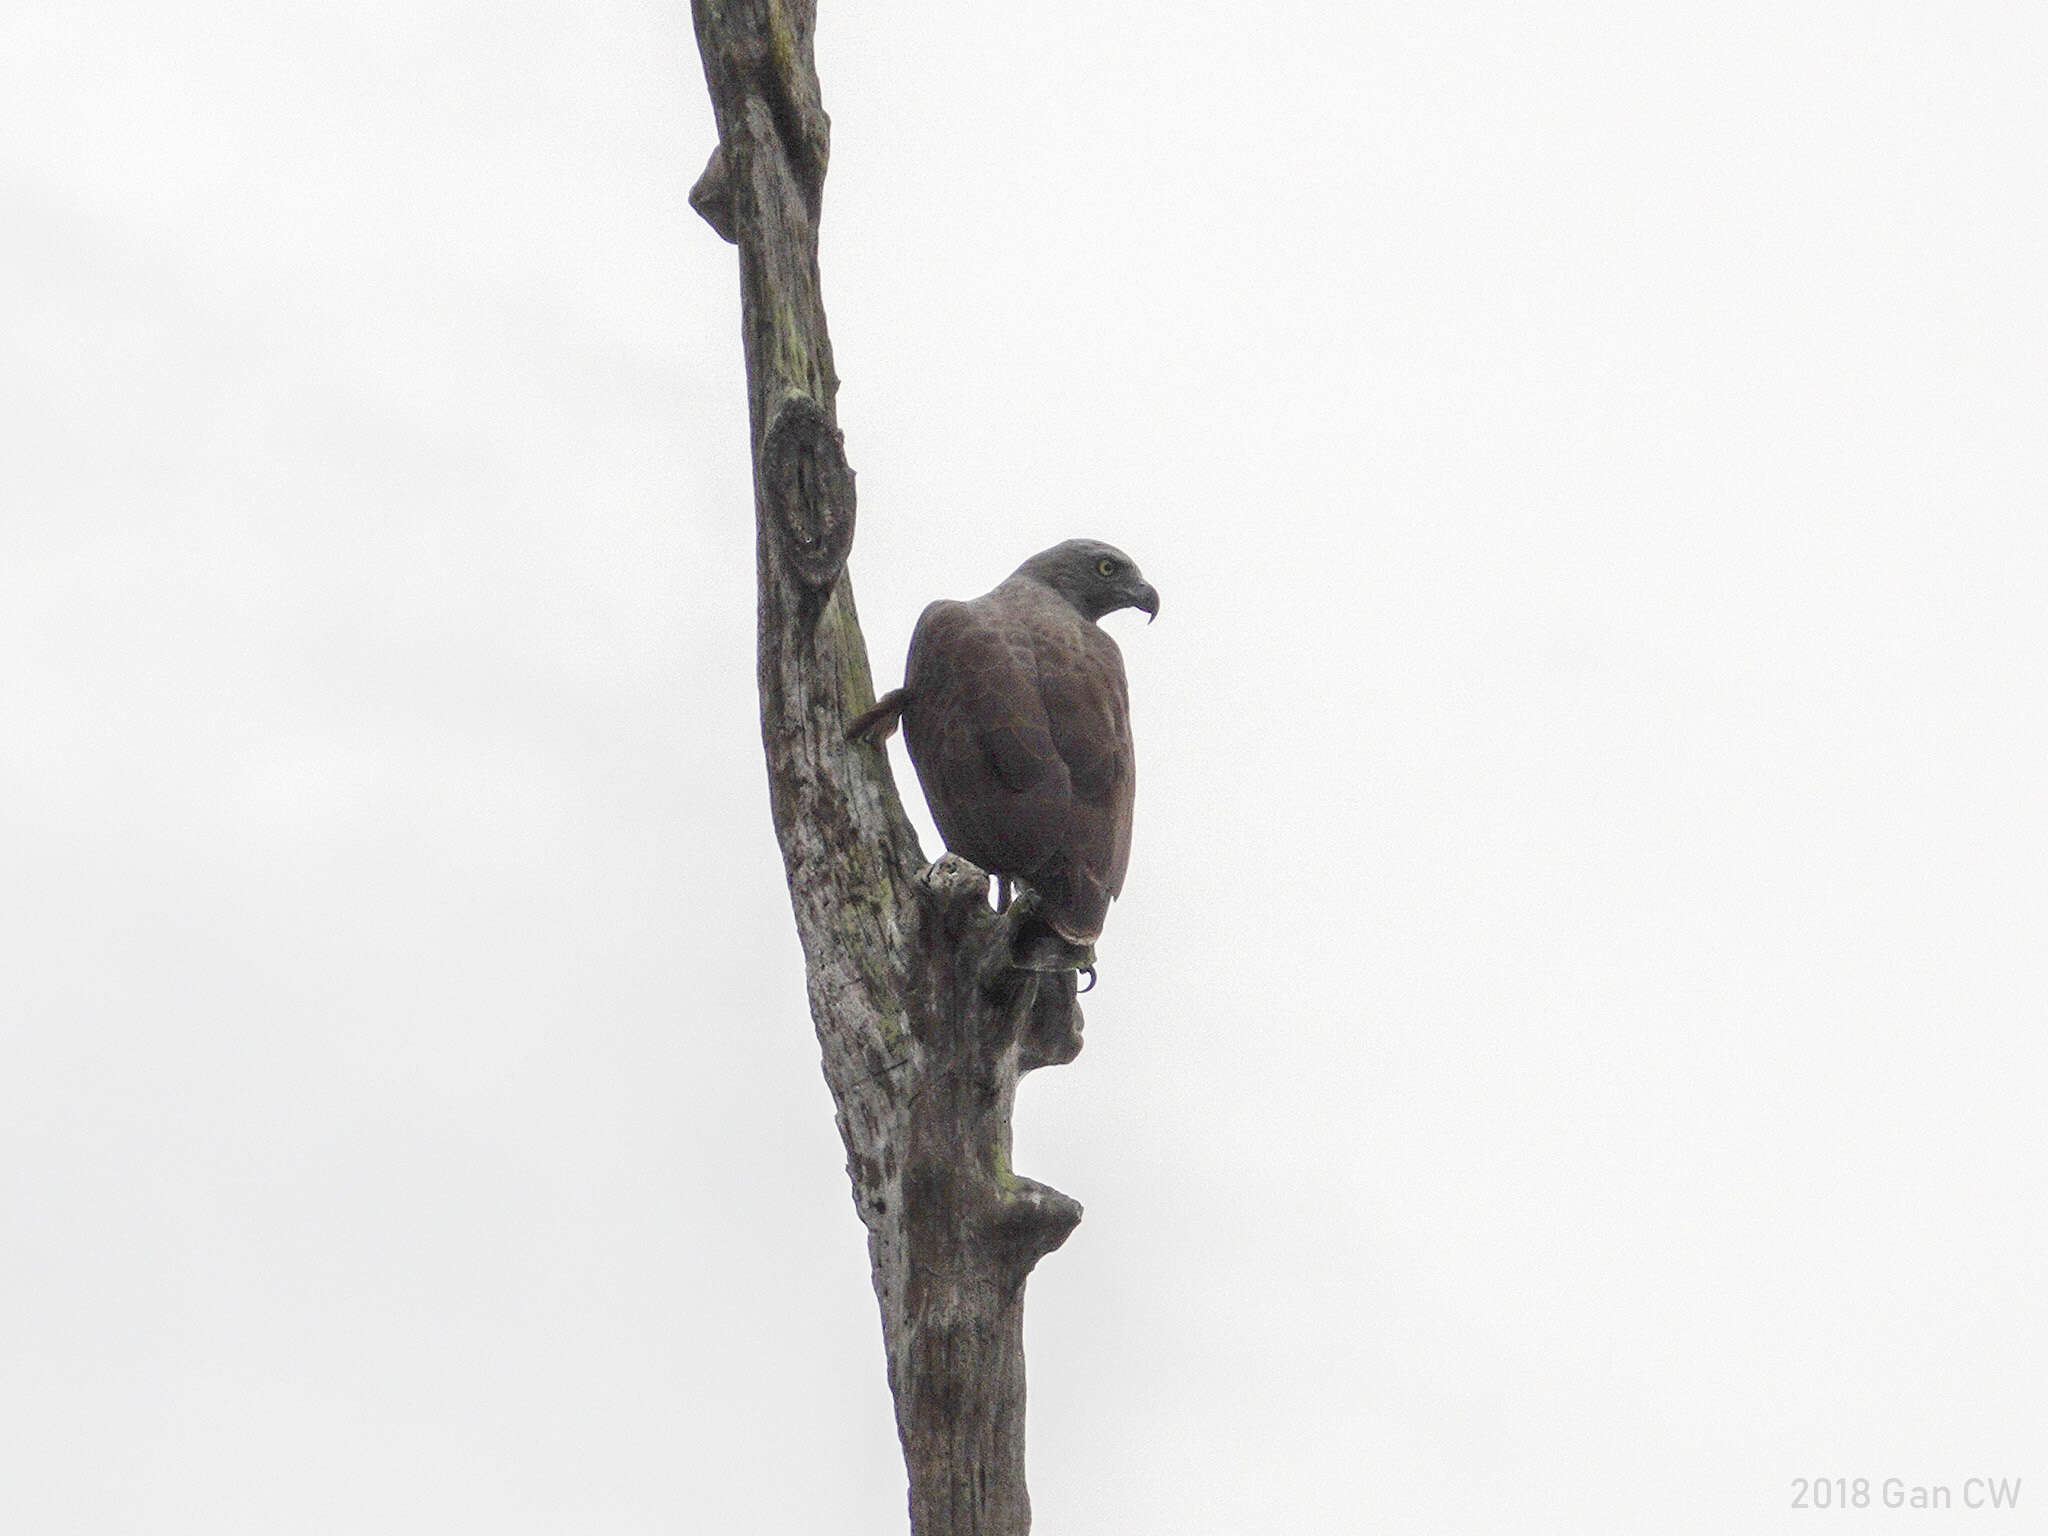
{"x": 923, "y": 1021}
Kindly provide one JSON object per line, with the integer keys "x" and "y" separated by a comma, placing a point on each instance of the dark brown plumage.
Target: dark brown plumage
{"x": 1018, "y": 720}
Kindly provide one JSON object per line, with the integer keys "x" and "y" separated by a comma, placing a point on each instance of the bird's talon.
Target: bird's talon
{"x": 1089, "y": 972}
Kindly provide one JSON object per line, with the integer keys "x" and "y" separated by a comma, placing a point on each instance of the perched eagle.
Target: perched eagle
{"x": 1017, "y": 717}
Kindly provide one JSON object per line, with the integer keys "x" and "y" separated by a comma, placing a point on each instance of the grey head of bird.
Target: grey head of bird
{"x": 1095, "y": 577}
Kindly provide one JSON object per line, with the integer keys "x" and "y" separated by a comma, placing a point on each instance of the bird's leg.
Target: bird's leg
{"x": 1032, "y": 943}
{"x": 1002, "y": 893}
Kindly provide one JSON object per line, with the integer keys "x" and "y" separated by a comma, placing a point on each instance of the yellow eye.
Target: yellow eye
{"x": 1105, "y": 567}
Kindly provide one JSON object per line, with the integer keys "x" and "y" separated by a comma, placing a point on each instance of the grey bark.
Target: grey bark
{"x": 923, "y": 1015}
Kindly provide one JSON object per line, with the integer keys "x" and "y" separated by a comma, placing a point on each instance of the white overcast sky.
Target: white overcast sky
{"x": 1570, "y": 1055}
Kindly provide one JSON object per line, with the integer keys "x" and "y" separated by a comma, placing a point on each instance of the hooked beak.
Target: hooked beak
{"x": 1147, "y": 602}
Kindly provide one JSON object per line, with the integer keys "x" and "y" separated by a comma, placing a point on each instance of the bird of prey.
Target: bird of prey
{"x": 1018, "y": 720}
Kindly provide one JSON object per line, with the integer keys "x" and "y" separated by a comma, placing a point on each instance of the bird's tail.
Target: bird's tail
{"x": 877, "y": 725}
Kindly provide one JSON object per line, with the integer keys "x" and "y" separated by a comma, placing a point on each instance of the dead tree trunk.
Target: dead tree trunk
{"x": 924, "y": 1018}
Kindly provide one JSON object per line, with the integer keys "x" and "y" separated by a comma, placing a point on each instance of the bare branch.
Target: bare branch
{"x": 927, "y": 1004}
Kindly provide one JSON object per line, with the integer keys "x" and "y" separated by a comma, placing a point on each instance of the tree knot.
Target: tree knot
{"x": 808, "y": 486}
